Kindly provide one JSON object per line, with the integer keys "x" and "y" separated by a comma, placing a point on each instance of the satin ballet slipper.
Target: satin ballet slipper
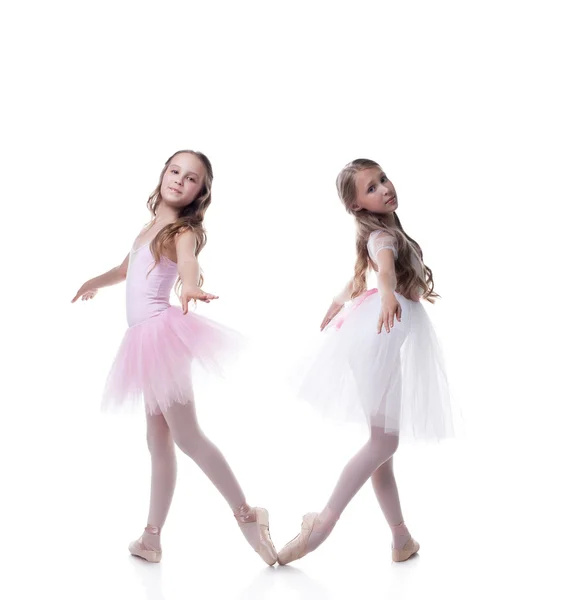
{"x": 410, "y": 548}
{"x": 142, "y": 550}
{"x": 264, "y": 546}
{"x": 296, "y": 548}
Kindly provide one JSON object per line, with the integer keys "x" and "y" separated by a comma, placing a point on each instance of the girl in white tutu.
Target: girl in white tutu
{"x": 380, "y": 360}
{"x": 163, "y": 344}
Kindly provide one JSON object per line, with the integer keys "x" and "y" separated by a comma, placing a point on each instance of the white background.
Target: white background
{"x": 463, "y": 104}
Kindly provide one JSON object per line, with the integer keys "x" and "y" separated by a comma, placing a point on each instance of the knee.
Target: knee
{"x": 189, "y": 442}
{"x": 384, "y": 445}
{"x": 384, "y": 473}
{"x": 159, "y": 442}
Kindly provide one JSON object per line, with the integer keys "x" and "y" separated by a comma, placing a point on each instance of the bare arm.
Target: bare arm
{"x": 387, "y": 274}
{"x": 188, "y": 266}
{"x": 188, "y": 269}
{"x": 112, "y": 277}
{"x": 345, "y": 294}
{"x": 337, "y": 304}
{"x": 390, "y": 307}
{"x": 116, "y": 275}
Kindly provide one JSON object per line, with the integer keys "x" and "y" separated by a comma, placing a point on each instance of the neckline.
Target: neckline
{"x": 134, "y": 250}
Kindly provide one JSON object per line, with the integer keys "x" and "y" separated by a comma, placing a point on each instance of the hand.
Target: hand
{"x": 194, "y": 293}
{"x": 390, "y": 307}
{"x": 334, "y": 308}
{"x": 86, "y": 292}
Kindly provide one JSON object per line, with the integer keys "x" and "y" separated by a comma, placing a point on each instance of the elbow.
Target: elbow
{"x": 122, "y": 271}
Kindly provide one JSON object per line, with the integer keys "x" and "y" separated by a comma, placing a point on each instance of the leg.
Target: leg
{"x": 317, "y": 527}
{"x": 384, "y": 482}
{"x": 386, "y": 491}
{"x": 379, "y": 449}
{"x": 190, "y": 439}
{"x": 164, "y": 470}
{"x": 187, "y": 434}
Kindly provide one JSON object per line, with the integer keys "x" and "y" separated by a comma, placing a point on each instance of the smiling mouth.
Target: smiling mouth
{"x": 391, "y": 200}
{"x": 174, "y": 190}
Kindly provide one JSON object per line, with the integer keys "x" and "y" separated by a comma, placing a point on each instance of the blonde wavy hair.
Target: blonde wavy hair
{"x": 410, "y": 280}
{"x": 190, "y": 217}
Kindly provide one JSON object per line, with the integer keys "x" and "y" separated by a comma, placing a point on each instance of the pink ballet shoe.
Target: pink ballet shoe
{"x": 142, "y": 550}
{"x": 410, "y": 548}
{"x": 264, "y": 546}
{"x": 296, "y": 548}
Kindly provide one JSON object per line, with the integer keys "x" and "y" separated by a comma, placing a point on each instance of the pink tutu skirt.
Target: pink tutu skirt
{"x": 394, "y": 380}
{"x": 157, "y": 359}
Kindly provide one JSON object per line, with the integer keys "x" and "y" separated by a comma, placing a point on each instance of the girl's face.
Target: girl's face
{"x": 375, "y": 192}
{"x": 183, "y": 180}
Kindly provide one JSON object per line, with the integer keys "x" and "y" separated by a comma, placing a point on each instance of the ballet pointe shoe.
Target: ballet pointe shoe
{"x": 263, "y": 545}
{"x": 410, "y": 548}
{"x": 296, "y": 548}
{"x": 140, "y": 549}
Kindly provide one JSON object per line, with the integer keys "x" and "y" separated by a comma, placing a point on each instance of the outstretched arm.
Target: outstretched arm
{"x": 337, "y": 304}
{"x": 188, "y": 269}
{"x": 116, "y": 275}
{"x": 386, "y": 279}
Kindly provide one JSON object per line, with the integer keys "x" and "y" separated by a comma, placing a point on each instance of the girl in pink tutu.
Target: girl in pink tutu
{"x": 164, "y": 343}
{"x": 380, "y": 361}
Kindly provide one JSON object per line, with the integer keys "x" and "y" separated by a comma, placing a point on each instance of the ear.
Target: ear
{"x": 356, "y": 208}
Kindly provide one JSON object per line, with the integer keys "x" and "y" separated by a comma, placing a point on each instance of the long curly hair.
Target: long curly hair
{"x": 190, "y": 217}
{"x": 414, "y": 278}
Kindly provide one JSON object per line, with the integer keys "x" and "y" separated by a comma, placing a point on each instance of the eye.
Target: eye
{"x": 384, "y": 178}
{"x": 175, "y": 171}
{"x": 371, "y": 189}
{"x": 191, "y": 178}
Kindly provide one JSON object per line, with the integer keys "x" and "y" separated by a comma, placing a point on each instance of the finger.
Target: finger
{"x": 380, "y": 324}
{"x": 399, "y": 313}
{"x": 184, "y": 304}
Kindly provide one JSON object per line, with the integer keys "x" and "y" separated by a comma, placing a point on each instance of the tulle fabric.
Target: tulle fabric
{"x": 394, "y": 380}
{"x": 158, "y": 358}
{"x": 381, "y": 240}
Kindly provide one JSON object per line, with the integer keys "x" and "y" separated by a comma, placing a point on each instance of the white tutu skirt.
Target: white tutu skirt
{"x": 393, "y": 380}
